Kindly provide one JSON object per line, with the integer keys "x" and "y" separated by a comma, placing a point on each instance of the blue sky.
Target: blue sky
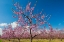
{"x": 53, "y": 7}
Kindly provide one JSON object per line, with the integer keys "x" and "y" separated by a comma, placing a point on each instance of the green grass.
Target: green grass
{"x": 0, "y": 40}
{"x": 34, "y": 40}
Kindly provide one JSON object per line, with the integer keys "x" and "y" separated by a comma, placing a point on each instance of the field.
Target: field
{"x": 34, "y": 40}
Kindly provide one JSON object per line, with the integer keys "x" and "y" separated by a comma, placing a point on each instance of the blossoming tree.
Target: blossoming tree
{"x": 27, "y": 17}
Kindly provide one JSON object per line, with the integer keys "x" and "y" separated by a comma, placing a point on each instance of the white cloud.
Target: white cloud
{"x": 14, "y": 24}
{"x": 0, "y": 31}
{"x": 3, "y": 24}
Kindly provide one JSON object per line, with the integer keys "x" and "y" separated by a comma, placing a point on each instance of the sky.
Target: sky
{"x": 55, "y": 8}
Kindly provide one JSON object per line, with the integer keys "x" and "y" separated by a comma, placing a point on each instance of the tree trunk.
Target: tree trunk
{"x": 31, "y": 40}
{"x": 30, "y": 36}
{"x": 61, "y": 39}
{"x": 9, "y": 40}
{"x": 19, "y": 40}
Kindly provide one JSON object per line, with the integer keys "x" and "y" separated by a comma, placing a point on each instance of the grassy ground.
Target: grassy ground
{"x": 0, "y": 40}
{"x": 34, "y": 40}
